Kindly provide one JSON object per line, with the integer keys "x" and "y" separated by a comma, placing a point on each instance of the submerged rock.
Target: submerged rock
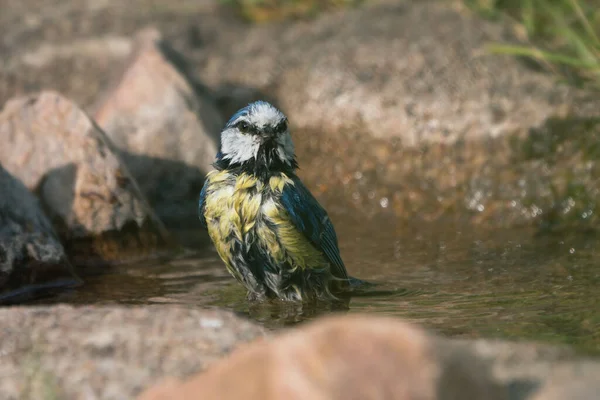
{"x": 66, "y": 352}
{"x": 55, "y": 149}
{"x": 31, "y": 256}
{"x": 166, "y": 129}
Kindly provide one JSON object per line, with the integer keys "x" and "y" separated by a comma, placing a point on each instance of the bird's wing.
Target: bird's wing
{"x": 202, "y": 204}
{"x": 312, "y": 220}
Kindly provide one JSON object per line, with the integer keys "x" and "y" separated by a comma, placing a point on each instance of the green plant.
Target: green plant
{"x": 562, "y": 35}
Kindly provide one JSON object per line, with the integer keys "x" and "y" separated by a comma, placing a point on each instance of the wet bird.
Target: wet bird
{"x": 272, "y": 234}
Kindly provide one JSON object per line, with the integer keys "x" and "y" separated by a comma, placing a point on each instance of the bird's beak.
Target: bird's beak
{"x": 267, "y": 134}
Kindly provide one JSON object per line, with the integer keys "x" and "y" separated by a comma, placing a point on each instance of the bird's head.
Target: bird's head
{"x": 257, "y": 137}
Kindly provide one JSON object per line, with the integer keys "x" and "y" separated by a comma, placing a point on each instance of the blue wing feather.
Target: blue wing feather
{"x": 312, "y": 220}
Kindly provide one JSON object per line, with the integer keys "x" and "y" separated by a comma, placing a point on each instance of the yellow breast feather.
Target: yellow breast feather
{"x": 278, "y": 182}
{"x": 243, "y": 203}
{"x": 231, "y": 210}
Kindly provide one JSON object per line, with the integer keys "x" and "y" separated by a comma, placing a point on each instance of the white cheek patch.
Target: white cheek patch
{"x": 237, "y": 147}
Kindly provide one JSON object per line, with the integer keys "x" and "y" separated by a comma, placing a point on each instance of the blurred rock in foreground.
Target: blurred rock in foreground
{"x": 31, "y": 255}
{"x": 166, "y": 128}
{"x": 340, "y": 358}
{"x": 359, "y": 357}
{"x": 52, "y": 146}
{"x": 69, "y": 352}
{"x": 121, "y": 352}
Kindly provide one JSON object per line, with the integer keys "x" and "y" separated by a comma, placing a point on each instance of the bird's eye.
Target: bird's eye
{"x": 281, "y": 127}
{"x": 243, "y": 126}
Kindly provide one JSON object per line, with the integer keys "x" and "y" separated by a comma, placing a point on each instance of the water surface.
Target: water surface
{"x": 454, "y": 279}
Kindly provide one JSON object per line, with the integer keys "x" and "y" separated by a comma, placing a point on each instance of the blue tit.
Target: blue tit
{"x": 272, "y": 234}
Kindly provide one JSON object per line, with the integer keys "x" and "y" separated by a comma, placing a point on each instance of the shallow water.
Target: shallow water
{"x": 454, "y": 279}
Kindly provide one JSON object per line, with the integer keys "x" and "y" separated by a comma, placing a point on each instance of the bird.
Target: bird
{"x": 272, "y": 234}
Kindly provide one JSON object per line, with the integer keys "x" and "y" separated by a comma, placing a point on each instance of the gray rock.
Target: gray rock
{"x": 166, "y": 128}
{"x": 528, "y": 370}
{"x": 56, "y": 150}
{"x": 30, "y": 252}
{"x": 108, "y": 352}
{"x": 417, "y": 70}
{"x": 578, "y": 388}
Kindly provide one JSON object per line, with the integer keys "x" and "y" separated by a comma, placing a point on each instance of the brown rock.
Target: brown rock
{"x": 31, "y": 256}
{"x": 165, "y": 127}
{"x": 416, "y": 70}
{"x": 56, "y": 150}
{"x": 66, "y": 352}
{"x": 340, "y": 358}
{"x": 403, "y": 71}
{"x": 42, "y": 48}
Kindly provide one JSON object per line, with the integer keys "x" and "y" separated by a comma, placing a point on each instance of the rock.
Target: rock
{"x": 31, "y": 256}
{"x": 378, "y": 97}
{"x": 354, "y": 357}
{"x": 41, "y": 48}
{"x": 530, "y": 371}
{"x": 92, "y": 352}
{"x": 56, "y": 150}
{"x": 165, "y": 127}
{"x": 115, "y": 352}
{"x": 418, "y": 71}
{"x": 578, "y": 389}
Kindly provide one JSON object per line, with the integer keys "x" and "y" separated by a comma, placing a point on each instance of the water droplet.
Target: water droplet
{"x": 586, "y": 214}
{"x": 480, "y": 207}
{"x": 211, "y": 323}
{"x": 358, "y": 175}
{"x": 571, "y": 250}
{"x": 384, "y": 202}
{"x": 371, "y": 195}
{"x": 356, "y": 196}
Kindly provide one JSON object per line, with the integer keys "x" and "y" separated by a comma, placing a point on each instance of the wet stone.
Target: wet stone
{"x": 548, "y": 179}
{"x": 56, "y": 150}
{"x": 31, "y": 256}
{"x": 165, "y": 127}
